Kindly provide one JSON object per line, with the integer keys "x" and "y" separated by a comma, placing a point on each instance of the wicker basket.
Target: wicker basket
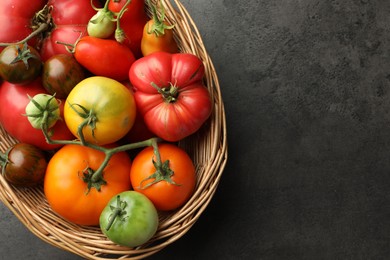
{"x": 208, "y": 149}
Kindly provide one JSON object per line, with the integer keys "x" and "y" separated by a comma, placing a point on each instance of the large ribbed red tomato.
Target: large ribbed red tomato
{"x": 170, "y": 94}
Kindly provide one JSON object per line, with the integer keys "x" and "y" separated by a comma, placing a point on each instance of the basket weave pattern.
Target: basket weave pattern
{"x": 207, "y": 148}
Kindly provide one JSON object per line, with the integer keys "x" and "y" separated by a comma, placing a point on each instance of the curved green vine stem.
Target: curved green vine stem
{"x": 120, "y": 35}
{"x": 159, "y": 26}
{"x": 43, "y": 21}
{"x": 96, "y": 177}
{"x": 117, "y": 211}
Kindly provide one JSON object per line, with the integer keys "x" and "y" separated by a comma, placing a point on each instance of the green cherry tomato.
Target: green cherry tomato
{"x": 60, "y": 75}
{"x": 43, "y": 108}
{"x": 129, "y": 219}
{"x": 23, "y": 165}
{"x": 20, "y": 63}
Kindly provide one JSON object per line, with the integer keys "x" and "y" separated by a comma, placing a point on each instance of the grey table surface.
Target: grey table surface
{"x": 306, "y": 86}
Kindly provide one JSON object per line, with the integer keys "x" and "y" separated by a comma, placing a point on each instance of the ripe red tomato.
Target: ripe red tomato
{"x": 132, "y": 22}
{"x": 177, "y": 173}
{"x": 16, "y": 19}
{"x": 64, "y": 20}
{"x": 70, "y": 19}
{"x": 170, "y": 94}
{"x": 13, "y": 102}
{"x": 115, "y": 59}
{"x": 66, "y": 185}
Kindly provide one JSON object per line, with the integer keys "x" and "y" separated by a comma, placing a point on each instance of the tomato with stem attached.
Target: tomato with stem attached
{"x": 170, "y": 93}
{"x": 23, "y": 165}
{"x": 14, "y": 99}
{"x": 101, "y": 108}
{"x": 75, "y": 192}
{"x": 20, "y": 63}
{"x": 129, "y": 219}
{"x": 165, "y": 174}
{"x": 158, "y": 34}
{"x": 131, "y": 23}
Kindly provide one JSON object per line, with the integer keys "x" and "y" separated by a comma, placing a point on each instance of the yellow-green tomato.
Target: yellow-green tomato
{"x": 102, "y": 107}
{"x": 129, "y": 219}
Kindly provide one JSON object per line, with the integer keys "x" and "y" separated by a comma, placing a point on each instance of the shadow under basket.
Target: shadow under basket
{"x": 207, "y": 148}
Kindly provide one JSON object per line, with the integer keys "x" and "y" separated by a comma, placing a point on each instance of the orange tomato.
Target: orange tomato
{"x": 158, "y": 35}
{"x": 173, "y": 185}
{"x": 68, "y": 192}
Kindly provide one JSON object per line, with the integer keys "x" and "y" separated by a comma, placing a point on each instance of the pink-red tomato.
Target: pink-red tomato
{"x": 13, "y": 101}
{"x": 170, "y": 94}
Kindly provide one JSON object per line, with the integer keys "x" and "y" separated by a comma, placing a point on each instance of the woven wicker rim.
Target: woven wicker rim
{"x": 207, "y": 148}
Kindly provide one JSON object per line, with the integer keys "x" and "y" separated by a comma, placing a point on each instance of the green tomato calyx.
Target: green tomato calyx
{"x": 93, "y": 179}
{"x": 89, "y": 117}
{"x": 24, "y": 55}
{"x": 169, "y": 94}
{"x": 43, "y": 111}
{"x": 159, "y": 26}
{"x": 163, "y": 171}
{"x": 102, "y": 24}
{"x": 118, "y": 212}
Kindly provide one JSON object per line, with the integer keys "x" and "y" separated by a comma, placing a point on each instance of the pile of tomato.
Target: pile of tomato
{"x": 98, "y": 95}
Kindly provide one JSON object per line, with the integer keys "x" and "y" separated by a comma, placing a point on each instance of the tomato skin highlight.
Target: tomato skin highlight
{"x": 68, "y": 194}
{"x": 111, "y": 102}
{"x": 164, "y": 195}
{"x": 104, "y": 57}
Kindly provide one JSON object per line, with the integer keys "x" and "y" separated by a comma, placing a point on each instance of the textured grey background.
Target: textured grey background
{"x": 306, "y": 85}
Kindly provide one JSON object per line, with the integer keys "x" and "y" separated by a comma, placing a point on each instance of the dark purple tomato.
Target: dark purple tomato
{"x": 61, "y": 73}
{"x": 20, "y": 63}
{"x": 24, "y": 165}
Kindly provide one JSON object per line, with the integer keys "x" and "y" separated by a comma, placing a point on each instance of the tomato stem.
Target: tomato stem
{"x": 159, "y": 26}
{"x": 169, "y": 94}
{"x": 118, "y": 211}
{"x": 120, "y": 35}
{"x": 42, "y": 23}
{"x": 163, "y": 171}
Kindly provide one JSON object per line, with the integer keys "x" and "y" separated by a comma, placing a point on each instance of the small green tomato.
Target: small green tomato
{"x": 102, "y": 24}
{"x": 129, "y": 219}
{"x": 41, "y": 109}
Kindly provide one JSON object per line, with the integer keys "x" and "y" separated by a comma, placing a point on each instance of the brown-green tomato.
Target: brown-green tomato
{"x": 20, "y": 63}
{"x": 24, "y": 165}
{"x": 60, "y": 74}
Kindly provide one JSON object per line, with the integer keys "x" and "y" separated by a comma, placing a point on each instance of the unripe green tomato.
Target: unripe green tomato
{"x": 40, "y": 105}
{"x": 136, "y": 222}
{"x": 101, "y": 25}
